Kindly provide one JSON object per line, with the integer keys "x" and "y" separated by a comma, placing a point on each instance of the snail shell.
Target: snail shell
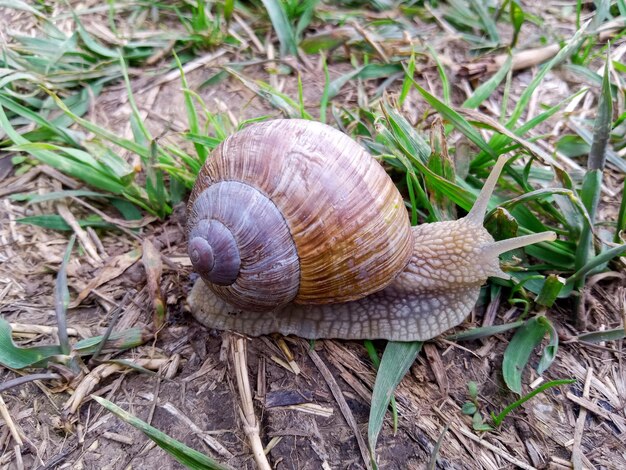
{"x": 295, "y": 211}
{"x": 292, "y": 218}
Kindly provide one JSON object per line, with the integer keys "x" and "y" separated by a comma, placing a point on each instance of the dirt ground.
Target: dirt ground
{"x": 194, "y": 395}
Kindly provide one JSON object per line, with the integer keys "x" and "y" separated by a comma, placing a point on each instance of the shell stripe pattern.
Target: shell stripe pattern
{"x": 348, "y": 222}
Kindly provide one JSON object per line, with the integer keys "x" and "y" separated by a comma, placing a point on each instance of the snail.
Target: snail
{"x": 294, "y": 228}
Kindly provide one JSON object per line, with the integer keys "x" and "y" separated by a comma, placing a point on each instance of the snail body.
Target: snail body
{"x": 295, "y": 229}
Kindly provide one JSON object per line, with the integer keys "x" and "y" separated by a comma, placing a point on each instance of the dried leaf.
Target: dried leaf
{"x": 151, "y": 260}
{"x": 112, "y": 269}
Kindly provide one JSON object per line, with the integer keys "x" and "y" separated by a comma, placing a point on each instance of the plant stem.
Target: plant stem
{"x": 497, "y": 420}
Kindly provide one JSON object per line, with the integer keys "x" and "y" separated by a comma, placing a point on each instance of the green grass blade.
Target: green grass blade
{"x": 325, "y": 93}
{"x": 486, "y": 89}
{"x": 484, "y": 332}
{"x": 19, "y": 5}
{"x": 82, "y": 170}
{"x": 549, "y": 352}
{"x": 192, "y": 115}
{"x": 486, "y": 20}
{"x": 596, "y": 261}
{"x": 602, "y": 124}
{"x": 589, "y": 76}
{"x": 499, "y": 142}
{"x": 117, "y": 341}
{"x": 590, "y": 195}
{"x": 445, "y": 83}
{"x": 55, "y": 195}
{"x": 440, "y": 163}
{"x": 601, "y": 336}
{"x": 412, "y": 198}
{"x": 373, "y": 354}
{"x": 550, "y": 291}
{"x": 497, "y": 420}
{"x": 185, "y": 455}
{"x": 406, "y": 135}
{"x": 155, "y": 184}
{"x": 406, "y": 83}
{"x": 205, "y": 140}
{"x": 301, "y": 96}
{"x": 365, "y": 72}
{"x": 281, "y": 101}
{"x": 65, "y": 47}
{"x": 284, "y": 31}
{"x": 56, "y": 222}
{"x": 104, "y": 134}
{"x": 456, "y": 119}
{"x": 73, "y": 168}
{"x": 588, "y": 137}
{"x": 91, "y": 44}
{"x": 306, "y": 17}
{"x": 32, "y": 116}
{"x": 524, "y": 99}
{"x": 229, "y": 8}
{"x": 621, "y": 218}
{"x": 19, "y": 358}
{"x": 397, "y": 359}
{"x": 62, "y": 298}
{"x": 517, "y": 353}
{"x": 517, "y": 19}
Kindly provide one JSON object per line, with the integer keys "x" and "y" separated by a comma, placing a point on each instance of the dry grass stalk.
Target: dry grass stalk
{"x": 284, "y": 364}
{"x": 151, "y": 259}
{"x": 251, "y": 34}
{"x": 580, "y": 425}
{"x": 496, "y": 450}
{"x": 6, "y": 416}
{"x": 558, "y": 463}
{"x": 529, "y": 57}
{"x": 312, "y": 408}
{"x": 201, "y": 61}
{"x": 246, "y": 411}
{"x": 85, "y": 241}
{"x": 361, "y": 390}
{"x": 284, "y": 347}
{"x": 371, "y": 41}
{"x": 436, "y": 365}
{"x": 273, "y": 79}
{"x": 97, "y": 242}
{"x": 113, "y": 436}
{"x": 121, "y": 224}
{"x": 343, "y": 406}
{"x": 19, "y": 463}
{"x": 112, "y": 269}
{"x": 617, "y": 420}
{"x": 261, "y": 385}
{"x": 273, "y": 443}
{"x": 30, "y": 329}
{"x": 91, "y": 380}
{"x": 207, "y": 366}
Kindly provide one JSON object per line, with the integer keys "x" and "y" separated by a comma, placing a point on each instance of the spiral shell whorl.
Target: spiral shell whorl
{"x": 240, "y": 244}
{"x": 213, "y": 252}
